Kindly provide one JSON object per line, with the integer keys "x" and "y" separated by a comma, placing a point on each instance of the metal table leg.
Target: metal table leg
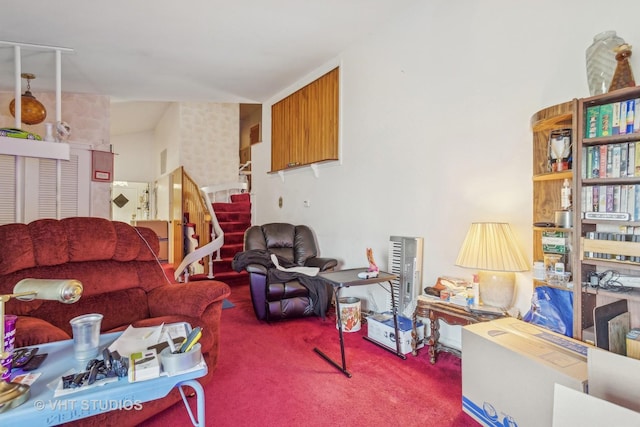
{"x": 342, "y": 368}
{"x": 197, "y": 387}
{"x": 398, "y": 351}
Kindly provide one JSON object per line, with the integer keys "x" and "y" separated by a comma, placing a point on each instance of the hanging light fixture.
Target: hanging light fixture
{"x": 33, "y": 112}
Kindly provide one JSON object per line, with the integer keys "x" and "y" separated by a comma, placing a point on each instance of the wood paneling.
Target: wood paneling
{"x": 304, "y": 125}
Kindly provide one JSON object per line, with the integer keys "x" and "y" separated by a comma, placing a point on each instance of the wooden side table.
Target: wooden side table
{"x": 435, "y": 311}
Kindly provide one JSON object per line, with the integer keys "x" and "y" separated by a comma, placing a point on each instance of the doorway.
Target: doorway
{"x": 129, "y": 201}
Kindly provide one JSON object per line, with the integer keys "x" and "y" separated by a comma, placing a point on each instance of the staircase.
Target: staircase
{"x": 234, "y": 218}
{"x": 230, "y": 217}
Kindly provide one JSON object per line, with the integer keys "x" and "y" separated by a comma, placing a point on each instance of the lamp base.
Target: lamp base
{"x": 497, "y": 288}
{"x": 12, "y": 395}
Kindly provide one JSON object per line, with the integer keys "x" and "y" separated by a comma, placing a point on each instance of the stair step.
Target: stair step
{"x": 231, "y": 207}
{"x": 234, "y": 238}
{"x": 237, "y": 198}
{"x": 234, "y": 227}
{"x": 233, "y": 217}
{"x": 229, "y": 251}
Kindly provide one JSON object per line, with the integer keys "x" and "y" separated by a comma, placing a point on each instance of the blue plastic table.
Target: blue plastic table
{"x": 43, "y": 409}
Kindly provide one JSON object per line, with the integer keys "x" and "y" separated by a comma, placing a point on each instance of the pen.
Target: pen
{"x": 193, "y": 342}
{"x": 188, "y": 342}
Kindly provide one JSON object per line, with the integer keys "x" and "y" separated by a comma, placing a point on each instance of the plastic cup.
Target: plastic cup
{"x": 86, "y": 335}
{"x": 9, "y": 342}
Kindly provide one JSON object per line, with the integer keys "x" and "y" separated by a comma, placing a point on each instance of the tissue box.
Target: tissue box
{"x": 381, "y": 329}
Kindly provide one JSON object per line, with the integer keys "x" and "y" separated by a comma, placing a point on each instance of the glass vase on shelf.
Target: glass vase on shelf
{"x": 601, "y": 61}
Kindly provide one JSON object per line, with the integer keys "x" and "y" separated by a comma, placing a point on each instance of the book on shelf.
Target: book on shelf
{"x": 604, "y": 120}
{"x": 631, "y": 108}
{"x": 615, "y": 118}
{"x": 619, "y": 202}
{"x": 611, "y": 161}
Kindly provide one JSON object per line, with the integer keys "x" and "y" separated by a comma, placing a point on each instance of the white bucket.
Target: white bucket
{"x": 349, "y": 314}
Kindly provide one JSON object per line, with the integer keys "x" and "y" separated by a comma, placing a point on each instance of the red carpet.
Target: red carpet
{"x": 269, "y": 375}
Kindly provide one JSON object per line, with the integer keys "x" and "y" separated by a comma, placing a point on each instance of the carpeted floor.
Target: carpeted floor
{"x": 269, "y": 375}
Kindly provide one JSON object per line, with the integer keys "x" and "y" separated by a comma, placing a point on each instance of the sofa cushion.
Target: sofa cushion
{"x": 34, "y": 331}
{"x": 121, "y": 307}
{"x": 90, "y": 239}
{"x": 21, "y": 255}
{"x": 49, "y": 239}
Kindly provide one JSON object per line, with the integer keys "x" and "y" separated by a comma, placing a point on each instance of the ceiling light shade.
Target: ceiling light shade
{"x": 32, "y": 110}
{"x": 491, "y": 248}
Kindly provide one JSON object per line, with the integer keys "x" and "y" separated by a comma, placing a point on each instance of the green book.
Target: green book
{"x": 591, "y": 124}
{"x": 605, "y": 121}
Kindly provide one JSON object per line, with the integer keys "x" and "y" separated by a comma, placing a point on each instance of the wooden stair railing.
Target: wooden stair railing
{"x": 200, "y": 201}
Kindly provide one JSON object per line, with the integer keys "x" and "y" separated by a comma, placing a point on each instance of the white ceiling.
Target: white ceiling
{"x": 240, "y": 51}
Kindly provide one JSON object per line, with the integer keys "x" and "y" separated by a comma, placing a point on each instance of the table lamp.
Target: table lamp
{"x": 66, "y": 291}
{"x": 491, "y": 248}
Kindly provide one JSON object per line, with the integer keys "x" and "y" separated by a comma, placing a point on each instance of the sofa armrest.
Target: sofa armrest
{"x": 322, "y": 263}
{"x": 187, "y": 299}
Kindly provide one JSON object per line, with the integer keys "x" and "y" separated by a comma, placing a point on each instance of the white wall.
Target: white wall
{"x": 134, "y": 159}
{"x": 435, "y": 133}
{"x": 209, "y": 140}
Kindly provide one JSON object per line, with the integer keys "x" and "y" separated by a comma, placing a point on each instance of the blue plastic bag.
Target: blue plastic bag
{"x": 552, "y": 308}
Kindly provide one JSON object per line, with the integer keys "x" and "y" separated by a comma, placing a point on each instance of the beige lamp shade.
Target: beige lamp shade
{"x": 492, "y": 248}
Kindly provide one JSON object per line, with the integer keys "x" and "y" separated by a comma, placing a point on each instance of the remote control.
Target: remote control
{"x": 34, "y": 362}
{"x": 22, "y": 355}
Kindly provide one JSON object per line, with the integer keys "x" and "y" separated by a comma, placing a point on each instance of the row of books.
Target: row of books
{"x": 611, "y": 202}
{"x": 633, "y": 236}
{"x": 616, "y": 118}
{"x": 611, "y": 161}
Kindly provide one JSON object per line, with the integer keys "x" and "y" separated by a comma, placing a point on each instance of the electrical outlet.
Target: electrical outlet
{"x": 307, "y": 203}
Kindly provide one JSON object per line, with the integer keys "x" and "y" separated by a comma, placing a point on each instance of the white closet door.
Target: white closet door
{"x": 58, "y": 188}
{"x": 7, "y": 189}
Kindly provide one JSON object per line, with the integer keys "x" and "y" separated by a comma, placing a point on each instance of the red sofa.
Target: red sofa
{"x": 122, "y": 280}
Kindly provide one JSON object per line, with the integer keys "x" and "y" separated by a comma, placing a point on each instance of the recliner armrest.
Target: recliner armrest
{"x": 257, "y": 268}
{"x": 322, "y": 263}
{"x": 187, "y": 299}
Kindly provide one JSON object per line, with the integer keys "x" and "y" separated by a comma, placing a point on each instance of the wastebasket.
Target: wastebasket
{"x": 349, "y": 314}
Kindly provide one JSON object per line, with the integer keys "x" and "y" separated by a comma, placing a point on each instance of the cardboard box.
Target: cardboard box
{"x": 381, "y": 329}
{"x": 509, "y": 368}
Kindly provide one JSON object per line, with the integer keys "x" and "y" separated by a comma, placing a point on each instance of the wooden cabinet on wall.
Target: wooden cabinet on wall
{"x": 304, "y": 125}
{"x": 607, "y": 228}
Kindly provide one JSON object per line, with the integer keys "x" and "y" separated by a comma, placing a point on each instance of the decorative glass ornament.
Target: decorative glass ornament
{"x": 63, "y": 130}
{"x": 601, "y": 61}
